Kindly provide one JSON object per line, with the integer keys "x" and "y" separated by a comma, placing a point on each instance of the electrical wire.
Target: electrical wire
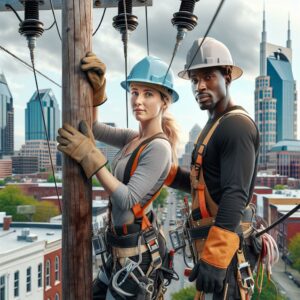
{"x": 28, "y": 65}
{"x": 100, "y": 22}
{"x": 55, "y": 20}
{"x": 50, "y": 26}
{"x": 125, "y": 40}
{"x": 8, "y": 6}
{"x": 147, "y": 30}
{"x": 45, "y": 127}
{"x": 206, "y": 33}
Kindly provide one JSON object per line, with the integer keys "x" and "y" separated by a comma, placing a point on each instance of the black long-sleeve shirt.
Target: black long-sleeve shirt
{"x": 229, "y": 167}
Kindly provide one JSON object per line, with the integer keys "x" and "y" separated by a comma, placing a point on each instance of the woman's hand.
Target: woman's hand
{"x": 95, "y": 70}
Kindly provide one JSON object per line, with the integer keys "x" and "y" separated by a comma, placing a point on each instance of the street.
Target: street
{"x": 175, "y": 286}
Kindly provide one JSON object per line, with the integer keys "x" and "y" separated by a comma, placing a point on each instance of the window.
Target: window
{"x": 56, "y": 296}
{"x": 16, "y": 284}
{"x": 48, "y": 273}
{"x": 2, "y": 287}
{"x": 56, "y": 268}
{"x": 28, "y": 280}
{"x": 40, "y": 275}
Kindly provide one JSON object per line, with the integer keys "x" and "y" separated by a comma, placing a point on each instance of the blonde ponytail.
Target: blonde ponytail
{"x": 171, "y": 130}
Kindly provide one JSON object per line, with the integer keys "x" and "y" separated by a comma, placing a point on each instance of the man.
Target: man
{"x": 222, "y": 175}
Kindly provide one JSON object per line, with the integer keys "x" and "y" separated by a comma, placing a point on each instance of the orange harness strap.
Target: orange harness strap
{"x": 138, "y": 210}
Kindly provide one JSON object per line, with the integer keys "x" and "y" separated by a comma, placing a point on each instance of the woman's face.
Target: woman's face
{"x": 146, "y": 102}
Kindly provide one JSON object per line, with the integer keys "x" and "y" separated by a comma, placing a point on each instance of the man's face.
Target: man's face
{"x": 209, "y": 87}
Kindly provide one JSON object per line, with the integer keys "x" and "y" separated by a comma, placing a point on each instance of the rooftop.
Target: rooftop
{"x": 44, "y": 231}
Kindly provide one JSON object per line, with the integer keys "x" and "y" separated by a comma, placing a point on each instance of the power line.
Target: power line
{"x": 206, "y": 33}
{"x": 100, "y": 21}
{"x": 45, "y": 128}
{"x": 28, "y": 65}
{"x": 55, "y": 20}
{"x": 147, "y": 30}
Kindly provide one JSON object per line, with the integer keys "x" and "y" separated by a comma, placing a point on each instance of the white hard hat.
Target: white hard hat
{"x": 212, "y": 53}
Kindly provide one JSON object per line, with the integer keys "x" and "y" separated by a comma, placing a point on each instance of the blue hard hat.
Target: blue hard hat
{"x": 152, "y": 70}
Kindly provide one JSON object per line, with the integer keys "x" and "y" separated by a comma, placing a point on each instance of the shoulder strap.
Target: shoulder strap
{"x": 203, "y": 196}
{"x": 138, "y": 210}
{"x": 133, "y": 160}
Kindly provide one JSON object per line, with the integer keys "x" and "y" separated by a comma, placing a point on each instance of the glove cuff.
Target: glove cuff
{"x": 220, "y": 247}
{"x": 92, "y": 162}
{"x": 100, "y": 95}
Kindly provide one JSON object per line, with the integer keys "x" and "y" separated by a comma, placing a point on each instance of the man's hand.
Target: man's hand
{"x": 81, "y": 147}
{"x": 95, "y": 70}
{"x": 219, "y": 249}
{"x": 209, "y": 279}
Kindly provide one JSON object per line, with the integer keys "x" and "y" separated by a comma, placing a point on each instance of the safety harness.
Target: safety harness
{"x": 204, "y": 211}
{"x": 130, "y": 244}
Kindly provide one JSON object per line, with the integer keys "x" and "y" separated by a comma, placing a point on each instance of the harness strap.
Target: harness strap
{"x": 138, "y": 209}
{"x": 206, "y": 205}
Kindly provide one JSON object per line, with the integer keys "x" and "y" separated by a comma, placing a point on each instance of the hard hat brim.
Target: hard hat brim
{"x": 236, "y": 71}
{"x": 126, "y": 85}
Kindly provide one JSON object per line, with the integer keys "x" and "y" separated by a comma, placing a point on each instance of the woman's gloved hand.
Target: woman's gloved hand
{"x": 95, "y": 70}
{"x": 80, "y": 145}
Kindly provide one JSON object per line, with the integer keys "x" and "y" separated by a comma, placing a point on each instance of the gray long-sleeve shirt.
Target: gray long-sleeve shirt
{"x": 153, "y": 168}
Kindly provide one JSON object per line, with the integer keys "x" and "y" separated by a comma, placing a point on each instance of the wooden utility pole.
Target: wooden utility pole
{"x": 77, "y": 191}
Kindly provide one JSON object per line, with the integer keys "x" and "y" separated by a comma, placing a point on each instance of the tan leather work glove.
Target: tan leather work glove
{"x": 95, "y": 70}
{"x": 81, "y": 147}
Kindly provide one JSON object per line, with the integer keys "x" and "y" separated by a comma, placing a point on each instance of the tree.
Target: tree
{"x": 11, "y": 197}
{"x": 294, "y": 248}
{"x": 51, "y": 179}
{"x": 2, "y": 182}
{"x": 95, "y": 182}
{"x": 187, "y": 293}
{"x": 269, "y": 291}
{"x": 279, "y": 187}
{"x": 161, "y": 199}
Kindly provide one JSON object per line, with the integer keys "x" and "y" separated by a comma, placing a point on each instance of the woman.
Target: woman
{"x": 137, "y": 249}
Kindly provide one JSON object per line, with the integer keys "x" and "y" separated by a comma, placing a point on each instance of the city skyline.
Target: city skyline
{"x": 242, "y": 38}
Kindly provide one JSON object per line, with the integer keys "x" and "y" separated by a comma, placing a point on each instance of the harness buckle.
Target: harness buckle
{"x": 246, "y": 278}
{"x": 151, "y": 240}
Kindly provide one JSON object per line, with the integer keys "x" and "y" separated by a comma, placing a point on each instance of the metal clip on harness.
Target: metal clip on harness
{"x": 129, "y": 267}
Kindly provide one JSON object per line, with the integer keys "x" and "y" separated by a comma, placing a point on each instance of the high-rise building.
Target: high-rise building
{"x": 275, "y": 95}
{"x": 39, "y": 149}
{"x": 34, "y": 127}
{"x": 185, "y": 160}
{"x": 6, "y": 119}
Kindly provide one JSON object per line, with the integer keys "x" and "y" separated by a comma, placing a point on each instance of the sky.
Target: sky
{"x": 238, "y": 25}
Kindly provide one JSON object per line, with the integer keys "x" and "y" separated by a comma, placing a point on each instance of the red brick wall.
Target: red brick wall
{"x": 55, "y": 287}
{"x": 293, "y": 227}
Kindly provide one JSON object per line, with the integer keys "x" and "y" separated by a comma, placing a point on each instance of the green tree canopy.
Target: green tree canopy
{"x": 51, "y": 178}
{"x": 187, "y": 293}
{"x": 279, "y": 187}
{"x": 294, "y": 248}
{"x": 161, "y": 199}
{"x": 11, "y": 197}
